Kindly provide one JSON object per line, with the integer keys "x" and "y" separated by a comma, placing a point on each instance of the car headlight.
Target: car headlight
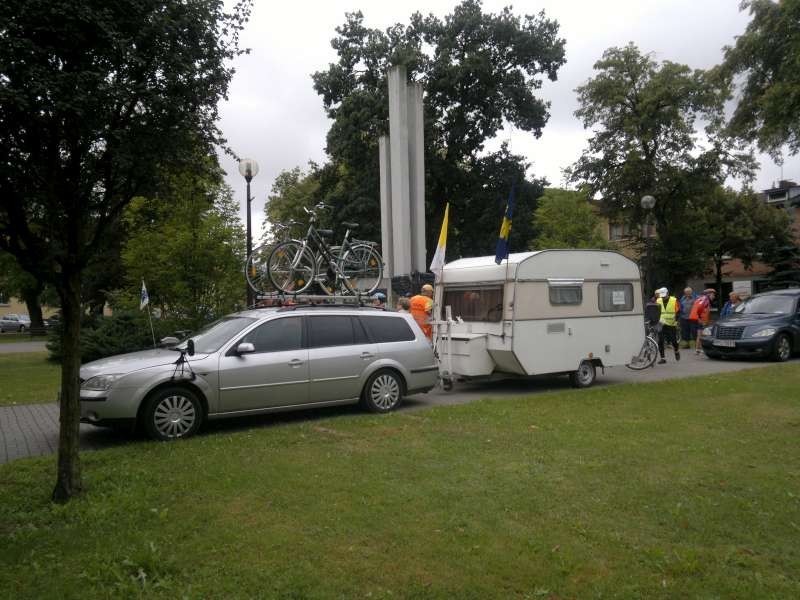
{"x": 100, "y": 383}
{"x": 708, "y": 331}
{"x": 766, "y": 332}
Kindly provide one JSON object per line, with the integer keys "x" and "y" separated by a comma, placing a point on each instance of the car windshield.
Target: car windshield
{"x": 213, "y": 336}
{"x": 770, "y": 304}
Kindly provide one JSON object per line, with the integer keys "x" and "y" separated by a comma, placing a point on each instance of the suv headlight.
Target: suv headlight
{"x": 708, "y": 331}
{"x": 766, "y": 332}
{"x": 100, "y": 383}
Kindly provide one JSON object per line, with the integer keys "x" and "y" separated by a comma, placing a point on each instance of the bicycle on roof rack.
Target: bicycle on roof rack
{"x": 354, "y": 267}
{"x": 256, "y": 268}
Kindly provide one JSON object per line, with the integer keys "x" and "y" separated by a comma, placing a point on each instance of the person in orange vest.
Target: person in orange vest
{"x": 670, "y": 309}
{"x": 422, "y": 308}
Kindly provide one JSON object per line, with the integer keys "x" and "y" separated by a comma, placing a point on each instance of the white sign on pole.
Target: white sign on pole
{"x": 743, "y": 288}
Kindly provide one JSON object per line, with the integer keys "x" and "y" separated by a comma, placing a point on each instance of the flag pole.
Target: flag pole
{"x": 144, "y": 301}
{"x": 152, "y": 331}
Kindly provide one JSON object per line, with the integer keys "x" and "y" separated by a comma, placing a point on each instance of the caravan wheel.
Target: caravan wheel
{"x": 584, "y": 376}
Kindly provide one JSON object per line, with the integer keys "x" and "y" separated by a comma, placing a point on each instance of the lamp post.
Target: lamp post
{"x": 248, "y": 168}
{"x": 648, "y": 202}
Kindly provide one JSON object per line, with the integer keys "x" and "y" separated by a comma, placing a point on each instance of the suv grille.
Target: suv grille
{"x": 730, "y": 333}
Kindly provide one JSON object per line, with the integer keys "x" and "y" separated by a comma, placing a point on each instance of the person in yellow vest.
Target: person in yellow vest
{"x": 670, "y": 309}
{"x": 422, "y": 308}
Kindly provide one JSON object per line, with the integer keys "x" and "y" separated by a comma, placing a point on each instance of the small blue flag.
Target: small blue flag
{"x": 145, "y": 299}
{"x": 505, "y": 229}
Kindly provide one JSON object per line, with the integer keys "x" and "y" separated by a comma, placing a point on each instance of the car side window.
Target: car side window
{"x": 277, "y": 335}
{"x": 333, "y": 330}
{"x": 388, "y": 329}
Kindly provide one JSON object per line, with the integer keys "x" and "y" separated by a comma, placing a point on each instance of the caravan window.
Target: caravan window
{"x": 476, "y": 304}
{"x": 615, "y": 297}
{"x": 565, "y": 291}
{"x": 572, "y": 294}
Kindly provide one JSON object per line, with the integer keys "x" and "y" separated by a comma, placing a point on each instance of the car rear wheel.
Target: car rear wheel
{"x": 172, "y": 413}
{"x": 783, "y": 348}
{"x": 383, "y": 391}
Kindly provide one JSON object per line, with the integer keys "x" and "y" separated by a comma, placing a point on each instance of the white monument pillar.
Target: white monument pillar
{"x": 398, "y": 169}
{"x": 402, "y": 170}
{"x": 387, "y": 241}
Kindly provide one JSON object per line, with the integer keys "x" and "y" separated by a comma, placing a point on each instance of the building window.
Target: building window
{"x": 615, "y": 297}
{"x": 618, "y": 231}
{"x": 3, "y": 297}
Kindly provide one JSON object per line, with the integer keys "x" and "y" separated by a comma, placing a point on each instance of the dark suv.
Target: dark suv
{"x": 764, "y": 325}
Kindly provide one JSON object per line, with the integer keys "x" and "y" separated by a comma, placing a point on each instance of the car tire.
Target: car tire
{"x": 383, "y": 391}
{"x": 782, "y": 350}
{"x": 584, "y": 376}
{"x": 713, "y": 355}
{"x": 172, "y": 413}
{"x": 22, "y": 328}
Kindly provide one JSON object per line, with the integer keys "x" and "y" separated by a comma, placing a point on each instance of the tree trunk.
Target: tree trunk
{"x": 34, "y": 309}
{"x": 69, "y": 482}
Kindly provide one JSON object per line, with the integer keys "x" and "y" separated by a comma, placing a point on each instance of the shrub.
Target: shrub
{"x": 124, "y": 331}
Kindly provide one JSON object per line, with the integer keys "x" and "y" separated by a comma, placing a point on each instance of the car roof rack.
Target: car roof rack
{"x": 293, "y": 301}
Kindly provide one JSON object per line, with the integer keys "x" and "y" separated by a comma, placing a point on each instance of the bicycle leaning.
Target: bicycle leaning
{"x": 649, "y": 352}
{"x": 354, "y": 267}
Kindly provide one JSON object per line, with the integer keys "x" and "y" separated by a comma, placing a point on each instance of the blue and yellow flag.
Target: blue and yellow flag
{"x": 505, "y": 230}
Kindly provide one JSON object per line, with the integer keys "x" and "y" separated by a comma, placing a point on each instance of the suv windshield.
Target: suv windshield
{"x": 213, "y": 336}
{"x": 770, "y": 304}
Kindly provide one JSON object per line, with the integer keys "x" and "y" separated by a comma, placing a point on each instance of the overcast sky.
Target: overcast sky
{"x": 274, "y": 116}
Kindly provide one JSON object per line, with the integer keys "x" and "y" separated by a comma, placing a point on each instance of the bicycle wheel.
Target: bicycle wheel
{"x": 257, "y": 272}
{"x": 291, "y": 267}
{"x": 646, "y": 357}
{"x": 326, "y": 276}
{"x": 362, "y": 268}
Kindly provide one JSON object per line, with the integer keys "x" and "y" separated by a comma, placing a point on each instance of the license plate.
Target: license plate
{"x": 725, "y": 343}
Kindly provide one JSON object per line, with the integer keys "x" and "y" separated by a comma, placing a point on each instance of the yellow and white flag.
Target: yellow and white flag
{"x": 437, "y": 264}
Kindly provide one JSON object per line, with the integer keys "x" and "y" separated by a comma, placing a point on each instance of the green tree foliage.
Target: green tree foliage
{"x": 766, "y": 55}
{"x": 644, "y": 117}
{"x": 479, "y": 71}
{"x": 566, "y": 219}
{"x": 739, "y": 225}
{"x": 292, "y": 191}
{"x": 187, "y": 243}
{"x": 97, "y": 100}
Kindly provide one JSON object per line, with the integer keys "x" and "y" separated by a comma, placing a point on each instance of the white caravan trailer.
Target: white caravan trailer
{"x": 551, "y": 311}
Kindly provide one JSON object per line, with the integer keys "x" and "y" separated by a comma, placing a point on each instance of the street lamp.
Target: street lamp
{"x": 248, "y": 168}
{"x": 648, "y": 202}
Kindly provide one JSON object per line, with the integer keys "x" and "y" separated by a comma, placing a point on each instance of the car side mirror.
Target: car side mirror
{"x": 245, "y": 348}
{"x": 190, "y": 347}
{"x": 169, "y": 341}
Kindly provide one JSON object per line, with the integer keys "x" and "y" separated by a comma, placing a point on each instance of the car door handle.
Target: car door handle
{"x": 367, "y": 355}
{"x": 296, "y": 362}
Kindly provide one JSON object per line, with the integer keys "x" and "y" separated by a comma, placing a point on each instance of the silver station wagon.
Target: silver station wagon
{"x": 262, "y": 360}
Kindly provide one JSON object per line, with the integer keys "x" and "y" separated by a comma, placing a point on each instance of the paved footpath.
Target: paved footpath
{"x": 23, "y": 347}
{"x": 32, "y": 429}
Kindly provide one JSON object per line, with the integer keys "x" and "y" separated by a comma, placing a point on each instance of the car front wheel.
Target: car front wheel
{"x": 172, "y": 413}
{"x": 783, "y": 348}
{"x": 383, "y": 391}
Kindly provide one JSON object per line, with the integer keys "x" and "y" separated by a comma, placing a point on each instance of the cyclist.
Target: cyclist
{"x": 670, "y": 309}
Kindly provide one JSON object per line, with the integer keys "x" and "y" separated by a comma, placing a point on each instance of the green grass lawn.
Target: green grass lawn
{"x": 27, "y": 378}
{"x": 677, "y": 489}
